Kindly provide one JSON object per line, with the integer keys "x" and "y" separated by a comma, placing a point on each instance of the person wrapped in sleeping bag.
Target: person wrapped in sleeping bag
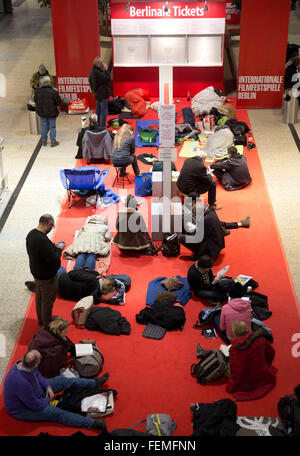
{"x": 137, "y": 101}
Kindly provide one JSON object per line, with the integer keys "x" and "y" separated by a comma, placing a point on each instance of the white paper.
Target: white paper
{"x": 83, "y": 349}
{"x": 95, "y": 403}
{"x": 225, "y": 349}
{"x": 223, "y": 271}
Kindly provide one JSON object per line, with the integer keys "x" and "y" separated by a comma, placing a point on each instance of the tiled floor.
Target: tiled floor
{"x": 25, "y": 42}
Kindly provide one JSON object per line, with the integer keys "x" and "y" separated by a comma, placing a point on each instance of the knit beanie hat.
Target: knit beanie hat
{"x": 205, "y": 262}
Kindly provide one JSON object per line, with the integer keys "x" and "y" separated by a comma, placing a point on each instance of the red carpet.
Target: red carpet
{"x": 154, "y": 376}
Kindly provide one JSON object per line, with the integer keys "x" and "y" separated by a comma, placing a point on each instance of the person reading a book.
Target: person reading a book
{"x": 204, "y": 284}
{"x": 237, "y": 308}
{"x": 250, "y": 362}
{"x": 232, "y": 172}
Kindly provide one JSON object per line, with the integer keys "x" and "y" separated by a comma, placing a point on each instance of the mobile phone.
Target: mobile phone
{"x": 61, "y": 244}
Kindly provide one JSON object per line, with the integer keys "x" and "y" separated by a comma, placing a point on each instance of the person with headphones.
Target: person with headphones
{"x": 28, "y": 395}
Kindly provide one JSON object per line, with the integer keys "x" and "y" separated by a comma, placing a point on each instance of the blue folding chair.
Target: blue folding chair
{"x": 83, "y": 182}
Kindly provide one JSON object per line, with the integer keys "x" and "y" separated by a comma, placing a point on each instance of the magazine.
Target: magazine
{"x": 242, "y": 279}
{"x": 222, "y": 272}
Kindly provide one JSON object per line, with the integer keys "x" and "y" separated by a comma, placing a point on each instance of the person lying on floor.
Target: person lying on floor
{"x": 194, "y": 178}
{"x": 28, "y": 394}
{"x": 53, "y": 345}
{"x": 212, "y": 228}
{"x": 251, "y": 374}
{"x": 204, "y": 284}
{"x": 123, "y": 153}
{"x": 232, "y": 172}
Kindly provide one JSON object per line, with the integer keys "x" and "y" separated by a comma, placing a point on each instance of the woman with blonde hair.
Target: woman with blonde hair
{"x": 250, "y": 361}
{"x": 54, "y": 346}
{"x": 123, "y": 153}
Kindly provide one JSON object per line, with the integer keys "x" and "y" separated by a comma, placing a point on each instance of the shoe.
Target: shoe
{"x": 44, "y": 143}
{"x": 99, "y": 424}
{"x": 215, "y": 207}
{"x": 100, "y": 380}
{"x": 54, "y": 143}
{"x": 201, "y": 351}
{"x": 31, "y": 286}
{"x": 245, "y": 222}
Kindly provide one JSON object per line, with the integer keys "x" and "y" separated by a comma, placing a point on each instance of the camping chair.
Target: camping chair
{"x": 83, "y": 182}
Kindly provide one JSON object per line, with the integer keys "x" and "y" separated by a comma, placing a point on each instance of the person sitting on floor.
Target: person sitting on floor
{"x": 28, "y": 394}
{"x": 207, "y": 230}
{"x": 250, "y": 361}
{"x": 194, "y": 178}
{"x": 53, "y": 345}
{"x": 204, "y": 284}
{"x": 232, "y": 172}
{"x": 123, "y": 153}
{"x": 237, "y": 308}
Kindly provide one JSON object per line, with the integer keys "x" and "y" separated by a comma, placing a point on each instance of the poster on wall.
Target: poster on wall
{"x": 262, "y": 53}
{"x": 233, "y": 16}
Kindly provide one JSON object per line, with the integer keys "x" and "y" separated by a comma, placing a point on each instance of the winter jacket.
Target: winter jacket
{"x": 107, "y": 320}
{"x": 164, "y": 314}
{"x": 123, "y": 156}
{"x": 236, "y": 309}
{"x": 193, "y": 177}
{"x": 182, "y": 294}
{"x": 288, "y": 75}
{"x": 99, "y": 82}
{"x": 47, "y": 100}
{"x": 252, "y": 375}
{"x": 215, "y": 419}
{"x": 234, "y": 173}
{"x": 96, "y": 145}
{"x": 94, "y": 129}
{"x": 78, "y": 284}
{"x": 91, "y": 238}
{"x": 205, "y": 100}
{"x": 54, "y": 351}
{"x": 129, "y": 240}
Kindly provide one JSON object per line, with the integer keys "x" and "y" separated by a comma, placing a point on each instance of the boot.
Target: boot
{"x": 99, "y": 424}
{"x": 30, "y": 285}
{"x": 201, "y": 352}
{"x": 44, "y": 143}
{"x": 245, "y": 222}
{"x": 100, "y": 380}
{"x": 54, "y": 143}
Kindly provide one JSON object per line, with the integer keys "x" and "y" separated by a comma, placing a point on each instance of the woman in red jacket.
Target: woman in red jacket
{"x": 250, "y": 358}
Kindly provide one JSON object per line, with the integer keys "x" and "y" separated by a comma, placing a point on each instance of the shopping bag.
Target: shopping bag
{"x": 143, "y": 184}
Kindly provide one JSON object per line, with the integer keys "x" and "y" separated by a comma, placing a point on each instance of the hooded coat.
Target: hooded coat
{"x": 252, "y": 375}
{"x": 54, "y": 351}
{"x": 132, "y": 230}
{"x": 232, "y": 172}
{"x": 236, "y": 309}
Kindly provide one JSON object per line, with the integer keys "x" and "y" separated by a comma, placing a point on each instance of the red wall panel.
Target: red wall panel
{"x": 263, "y": 42}
{"x": 76, "y": 44}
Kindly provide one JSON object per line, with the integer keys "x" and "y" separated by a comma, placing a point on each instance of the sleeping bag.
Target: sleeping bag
{"x": 137, "y": 101}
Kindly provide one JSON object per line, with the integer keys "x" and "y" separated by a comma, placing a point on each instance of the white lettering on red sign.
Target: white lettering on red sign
{"x": 249, "y": 86}
{"x": 178, "y": 11}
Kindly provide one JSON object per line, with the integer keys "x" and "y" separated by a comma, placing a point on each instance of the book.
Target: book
{"x": 83, "y": 349}
{"x": 222, "y": 272}
{"x": 225, "y": 350}
{"x": 242, "y": 279}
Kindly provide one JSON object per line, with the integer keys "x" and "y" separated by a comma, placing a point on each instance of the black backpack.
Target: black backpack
{"x": 170, "y": 246}
{"x": 289, "y": 411}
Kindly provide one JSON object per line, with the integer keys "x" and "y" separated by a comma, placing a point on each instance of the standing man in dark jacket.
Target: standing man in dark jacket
{"x": 99, "y": 79}
{"x": 44, "y": 262}
{"x": 194, "y": 178}
{"x": 233, "y": 171}
{"x": 47, "y": 100}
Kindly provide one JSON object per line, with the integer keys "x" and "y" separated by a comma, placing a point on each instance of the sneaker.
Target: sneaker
{"x": 54, "y": 143}
{"x": 31, "y": 286}
{"x": 44, "y": 143}
{"x": 100, "y": 380}
{"x": 99, "y": 424}
{"x": 245, "y": 222}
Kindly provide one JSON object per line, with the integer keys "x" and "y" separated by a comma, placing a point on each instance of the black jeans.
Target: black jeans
{"x": 212, "y": 193}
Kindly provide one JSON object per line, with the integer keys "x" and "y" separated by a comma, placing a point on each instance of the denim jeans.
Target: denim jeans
{"x": 61, "y": 271}
{"x": 222, "y": 334}
{"x": 48, "y": 123}
{"x": 85, "y": 260}
{"x": 102, "y": 112}
{"x": 54, "y": 414}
